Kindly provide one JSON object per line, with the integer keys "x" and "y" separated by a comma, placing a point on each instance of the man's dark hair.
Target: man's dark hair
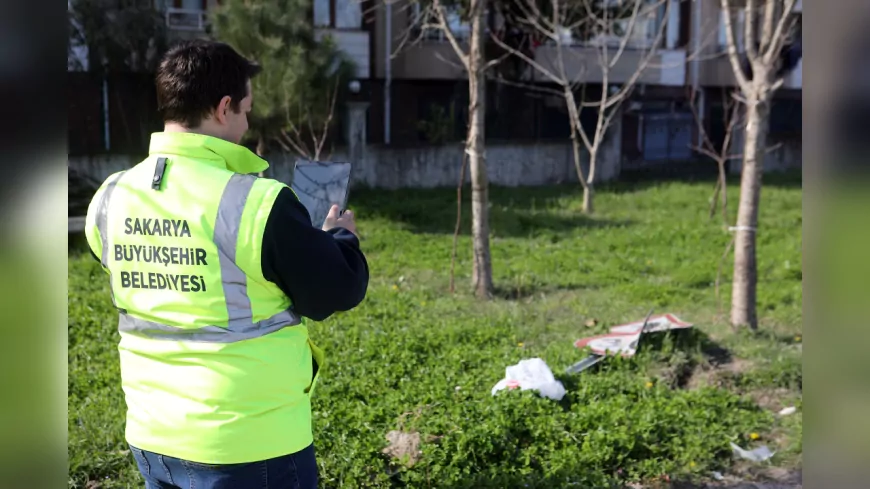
{"x": 194, "y": 76}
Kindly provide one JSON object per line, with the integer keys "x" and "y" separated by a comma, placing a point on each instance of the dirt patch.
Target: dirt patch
{"x": 770, "y": 399}
{"x": 747, "y": 485}
{"x": 709, "y": 374}
{"x": 716, "y": 354}
{"x": 404, "y": 446}
{"x": 782, "y": 475}
{"x": 755, "y": 478}
{"x": 678, "y": 373}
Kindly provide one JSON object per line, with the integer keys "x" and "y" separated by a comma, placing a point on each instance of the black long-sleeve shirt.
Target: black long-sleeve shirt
{"x": 322, "y": 272}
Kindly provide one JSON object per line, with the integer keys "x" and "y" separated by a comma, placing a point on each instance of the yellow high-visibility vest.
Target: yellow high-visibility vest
{"x": 215, "y": 365}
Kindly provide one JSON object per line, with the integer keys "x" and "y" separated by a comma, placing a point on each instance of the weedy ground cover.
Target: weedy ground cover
{"x": 417, "y": 359}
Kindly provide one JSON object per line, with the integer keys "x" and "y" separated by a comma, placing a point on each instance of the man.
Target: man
{"x": 212, "y": 270}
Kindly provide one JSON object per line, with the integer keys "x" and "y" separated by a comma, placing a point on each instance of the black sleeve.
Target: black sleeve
{"x": 322, "y": 272}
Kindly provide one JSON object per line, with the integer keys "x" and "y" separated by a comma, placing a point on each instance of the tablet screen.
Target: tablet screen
{"x": 319, "y": 185}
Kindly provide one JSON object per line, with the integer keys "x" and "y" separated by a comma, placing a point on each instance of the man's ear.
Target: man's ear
{"x": 222, "y": 109}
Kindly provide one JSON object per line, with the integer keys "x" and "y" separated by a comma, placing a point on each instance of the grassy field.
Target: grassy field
{"x": 414, "y": 357}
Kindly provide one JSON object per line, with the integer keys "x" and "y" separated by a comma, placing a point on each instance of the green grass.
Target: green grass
{"x": 414, "y": 357}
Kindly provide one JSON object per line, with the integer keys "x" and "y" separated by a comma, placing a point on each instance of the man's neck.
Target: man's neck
{"x": 202, "y": 129}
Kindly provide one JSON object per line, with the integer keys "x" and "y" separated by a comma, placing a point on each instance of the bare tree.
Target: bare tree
{"x": 720, "y": 153}
{"x": 574, "y": 28}
{"x": 470, "y": 52}
{"x": 769, "y": 26}
{"x": 306, "y": 130}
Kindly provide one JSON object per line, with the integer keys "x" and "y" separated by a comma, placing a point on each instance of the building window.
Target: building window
{"x": 459, "y": 27}
{"x": 613, "y": 31}
{"x": 185, "y": 15}
{"x": 338, "y": 14}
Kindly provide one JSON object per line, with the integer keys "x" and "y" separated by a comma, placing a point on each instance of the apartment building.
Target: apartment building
{"x": 416, "y": 90}
{"x": 414, "y": 81}
{"x": 657, "y": 124}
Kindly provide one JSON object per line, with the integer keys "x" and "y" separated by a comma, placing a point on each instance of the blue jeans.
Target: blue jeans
{"x": 294, "y": 471}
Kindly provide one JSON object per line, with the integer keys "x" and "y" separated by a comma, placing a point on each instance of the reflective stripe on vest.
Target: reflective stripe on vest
{"x": 233, "y": 279}
{"x": 102, "y": 213}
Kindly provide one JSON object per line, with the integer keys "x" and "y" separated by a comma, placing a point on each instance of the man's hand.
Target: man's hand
{"x": 334, "y": 220}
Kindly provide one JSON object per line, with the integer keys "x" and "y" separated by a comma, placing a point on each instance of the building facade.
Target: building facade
{"x": 412, "y": 90}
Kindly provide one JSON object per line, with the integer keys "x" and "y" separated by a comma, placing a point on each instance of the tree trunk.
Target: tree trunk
{"x": 723, "y": 188}
{"x": 574, "y": 121}
{"x": 589, "y": 188}
{"x": 588, "y": 199}
{"x": 715, "y": 200}
{"x": 743, "y": 299}
{"x": 720, "y": 190}
{"x": 575, "y": 146}
{"x": 482, "y": 271}
{"x": 458, "y": 220}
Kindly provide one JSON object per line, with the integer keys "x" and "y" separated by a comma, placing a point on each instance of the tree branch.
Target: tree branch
{"x": 442, "y": 24}
{"x": 767, "y": 28}
{"x": 409, "y": 31}
{"x": 452, "y": 63}
{"x": 294, "y": 143}
{"x": 699, "y": 123}
{"x": 628, "y": 85}
{"x": 537, "y": 66}
{"x": 779, "y": 35}
{"x": 749, "y": 31}
{"x": 493, "y": 62}
{"x": 527, "y": 86}
{"x": 742, "y": 82}
{"x": 331, "y": 111}
{"x": 707, "y": 31}
{"x": 533, "y": 17}
{"x": 631, "y": 23}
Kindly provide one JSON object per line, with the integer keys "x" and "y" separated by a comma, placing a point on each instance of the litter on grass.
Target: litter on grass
{"x": 584, "y": 364}
{"x": 531, "y": 374}
{"x": 787, "y": 411}
{"x": 759, "y": 454}
{"x": 623, "y": 339}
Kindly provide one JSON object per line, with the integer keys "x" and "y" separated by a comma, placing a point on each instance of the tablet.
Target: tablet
{"x": 319, "y": 185}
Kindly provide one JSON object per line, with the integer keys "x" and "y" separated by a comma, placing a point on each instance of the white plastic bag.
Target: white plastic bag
{"x": 532, "y": 374}
{"x": 759, "y": 454}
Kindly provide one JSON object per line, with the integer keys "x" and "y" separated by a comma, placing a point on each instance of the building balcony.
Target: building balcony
{"x": 583, "y": 63}
{"x": 432, "y": 57}
{"x": 431, "y": 60}
{"x": 714, "y": 68}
